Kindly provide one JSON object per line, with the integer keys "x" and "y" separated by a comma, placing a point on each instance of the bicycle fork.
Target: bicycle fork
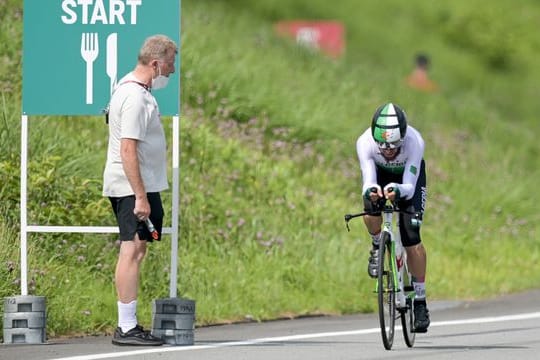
{"x": 399, "y": 266}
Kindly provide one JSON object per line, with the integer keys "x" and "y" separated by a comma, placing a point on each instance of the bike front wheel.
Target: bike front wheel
{"x": 386, "y": 291}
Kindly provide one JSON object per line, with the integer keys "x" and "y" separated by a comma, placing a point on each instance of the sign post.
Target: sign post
{"x": 74, "y": 50}
{"x": 74, "y": 53}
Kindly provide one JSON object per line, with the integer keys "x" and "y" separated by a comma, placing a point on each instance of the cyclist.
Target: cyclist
{"x": 391, "y": 160}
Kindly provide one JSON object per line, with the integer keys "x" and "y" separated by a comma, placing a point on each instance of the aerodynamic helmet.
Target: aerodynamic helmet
{"x": 389, "y": 126}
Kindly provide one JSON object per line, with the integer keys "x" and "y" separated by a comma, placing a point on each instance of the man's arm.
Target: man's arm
{"x": 130, "y": 163}
{"x": 367, "y": 166}
{"x": 412, "y": 169}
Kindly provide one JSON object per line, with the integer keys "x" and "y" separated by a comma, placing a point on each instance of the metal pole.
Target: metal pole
{"x": 175, "y": 204}
{"x": 24, "y": 162}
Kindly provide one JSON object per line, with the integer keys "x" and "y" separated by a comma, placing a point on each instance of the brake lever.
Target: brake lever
{"x": 348, "y": 217}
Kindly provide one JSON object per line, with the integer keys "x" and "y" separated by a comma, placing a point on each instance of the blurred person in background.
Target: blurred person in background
{"x": 419, "y": 79}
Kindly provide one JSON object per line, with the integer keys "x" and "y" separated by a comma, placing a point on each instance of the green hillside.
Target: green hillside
{"x": 268, "y": 162}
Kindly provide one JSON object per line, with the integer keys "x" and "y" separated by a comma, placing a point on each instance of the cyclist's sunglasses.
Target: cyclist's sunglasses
{"x": 389, "y": 145}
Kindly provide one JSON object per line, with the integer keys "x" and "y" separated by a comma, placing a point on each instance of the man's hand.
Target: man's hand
{"x": 142, "y": 208}
{"x": 373, "y": 193}
{"x": 391, "y": 192}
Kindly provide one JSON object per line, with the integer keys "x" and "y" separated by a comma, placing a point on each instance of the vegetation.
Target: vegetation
{"x": 268, "y": 164}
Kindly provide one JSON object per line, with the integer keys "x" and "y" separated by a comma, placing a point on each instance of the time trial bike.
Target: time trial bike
{"x": 395, "y": 293}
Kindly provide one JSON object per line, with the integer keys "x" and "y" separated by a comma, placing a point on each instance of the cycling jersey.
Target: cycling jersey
{"x": 407, "y": 163}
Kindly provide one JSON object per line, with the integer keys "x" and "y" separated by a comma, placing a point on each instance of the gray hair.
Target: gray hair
{"x": 156, "y": 47}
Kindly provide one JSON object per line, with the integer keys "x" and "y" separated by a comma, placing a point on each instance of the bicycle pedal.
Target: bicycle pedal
{"x": 420, "y": 331}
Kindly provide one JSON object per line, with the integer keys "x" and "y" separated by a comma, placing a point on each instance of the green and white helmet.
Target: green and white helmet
{"x": 389, "y": 126}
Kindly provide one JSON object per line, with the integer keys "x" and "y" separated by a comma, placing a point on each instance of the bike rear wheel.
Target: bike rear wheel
{"x": 386, "y": 291}
{"x": 407, "y": 323}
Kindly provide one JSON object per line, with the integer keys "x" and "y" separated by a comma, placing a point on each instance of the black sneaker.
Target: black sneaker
{"x": 373, "y": 262}
{"x": 135, "y": 337}
{"x": 421, "y": 316}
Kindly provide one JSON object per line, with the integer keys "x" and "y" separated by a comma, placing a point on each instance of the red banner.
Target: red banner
{"x": 326, "y": 36}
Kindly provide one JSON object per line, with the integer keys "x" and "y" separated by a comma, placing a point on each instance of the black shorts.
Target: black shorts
{"x": 129, "y": 224}
{"x": 409, "y": 228}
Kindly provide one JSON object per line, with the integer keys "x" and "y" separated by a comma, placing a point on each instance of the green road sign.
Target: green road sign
{"x": 75, "y": 50}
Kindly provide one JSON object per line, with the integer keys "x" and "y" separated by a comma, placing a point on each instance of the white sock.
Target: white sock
{"x": 375, "y": 238}
{"x": 420, "y": 290}
{"x": 127, "y": 315}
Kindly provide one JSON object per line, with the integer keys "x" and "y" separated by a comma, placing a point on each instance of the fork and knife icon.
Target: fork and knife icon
{"x": 90, "y": 52}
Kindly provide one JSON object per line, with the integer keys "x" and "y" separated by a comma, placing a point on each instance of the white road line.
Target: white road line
{"x": 293, "y": 338}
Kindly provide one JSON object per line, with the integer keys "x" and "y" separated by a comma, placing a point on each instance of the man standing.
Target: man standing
{"x": 135, "y": 174}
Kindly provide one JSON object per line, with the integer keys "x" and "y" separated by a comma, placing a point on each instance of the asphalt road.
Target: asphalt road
{"x": 502, "y": 328}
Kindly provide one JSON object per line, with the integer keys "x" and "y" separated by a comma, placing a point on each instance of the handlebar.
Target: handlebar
{"x": 373, "y": 189}
{"x": 388, "y": 207}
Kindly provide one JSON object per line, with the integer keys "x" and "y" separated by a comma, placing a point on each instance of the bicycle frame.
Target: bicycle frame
{"x": 398, "y": 254}
{"x": 400, "y": 267}
{"x": 398, "y": 286}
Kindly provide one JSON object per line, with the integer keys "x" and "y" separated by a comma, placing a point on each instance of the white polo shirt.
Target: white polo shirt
{"x": 134, "y": 114}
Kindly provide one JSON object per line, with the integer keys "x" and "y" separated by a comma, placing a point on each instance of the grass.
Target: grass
{"x": 268, "y": 165}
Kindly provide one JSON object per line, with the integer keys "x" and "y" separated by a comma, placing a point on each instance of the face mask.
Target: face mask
{"x": 160, "y": 81}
